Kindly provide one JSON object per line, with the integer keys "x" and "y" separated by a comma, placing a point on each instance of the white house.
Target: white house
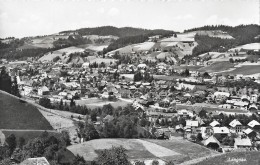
{"x": 43, "y": 90}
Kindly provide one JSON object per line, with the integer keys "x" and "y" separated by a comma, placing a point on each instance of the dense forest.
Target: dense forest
{"x": 120, "y": 32}
{"x": 243, "y": 34}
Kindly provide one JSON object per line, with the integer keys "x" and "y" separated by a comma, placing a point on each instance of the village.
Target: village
{"x": 213, "y": 110}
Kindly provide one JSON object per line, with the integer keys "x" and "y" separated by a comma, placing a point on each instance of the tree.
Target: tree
{"x": 231, "y": 60}
{"x": 90, "y": 132}
{"x": 11, "y": 142}
{"x": 186, "y": 73}
{"x": 206, "y": 75}
{"x": 115, "y": 156}
{"x": 14, "y": 88}
{"x": 139, "y": 162}
{"x": 79, "y": 160}
{"x": 155, "y": 162}
{"x": 199, "y": 137}
{"x": 138, "y": 76}
{"x": 21, "y": 142}
{"x": 203, "y": 113}
{"x": 175, "y": 35}
{"x": 72, "y": 103}
{"x": 45, "y": 102}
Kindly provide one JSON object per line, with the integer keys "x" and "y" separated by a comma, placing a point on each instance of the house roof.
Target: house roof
{"x": 214, "y": 123}
{"x": 235, "y": 123}
{"x": 34, "y": 161}
{"x": 192, "y": 123}
{"x": 44, "y": 88}
{"x": 253, "y": 123}
{"x": 221, "y": 130}
{"x": 248, "y": 131}
{"x": 242, "y": 142}
{"x": 109, "y": 118}
{"x": 211, "y": 139}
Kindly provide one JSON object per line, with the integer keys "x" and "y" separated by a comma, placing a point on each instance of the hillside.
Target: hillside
{"x": 242, "y": 34}
{"x": 120, "y": 32}
{"x": 176, "y": 150}
{"x": 15, "y": 114}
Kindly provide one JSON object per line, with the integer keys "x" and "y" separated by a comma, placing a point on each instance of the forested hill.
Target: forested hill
{"x": 120, "y": 32}
{"x": 243, "y": 34}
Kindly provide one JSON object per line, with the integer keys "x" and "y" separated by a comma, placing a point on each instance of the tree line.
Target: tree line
{"x": 6, "y": 83}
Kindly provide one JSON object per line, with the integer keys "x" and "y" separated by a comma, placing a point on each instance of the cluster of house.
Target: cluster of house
{"x": 213, "y": 134}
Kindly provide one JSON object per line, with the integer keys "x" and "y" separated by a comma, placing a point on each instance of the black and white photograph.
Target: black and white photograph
{"x": 129, "y": 82}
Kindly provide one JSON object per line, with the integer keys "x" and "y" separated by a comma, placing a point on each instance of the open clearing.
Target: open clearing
{"x": 187, "y": 150}
{"x": 217, "y": 67}
{"x": 245, "y": 70}
{"x": 139, "y": 149}
{"x": 19, "y": 115}
{"x": 252, "y": 46}
{"x": 234, "y": 158}
{"x": 51, "y": 55}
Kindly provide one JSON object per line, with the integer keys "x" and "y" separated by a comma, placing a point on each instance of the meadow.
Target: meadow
{"x": 234, "y": 158}
{"x": 16, "y": 114}
{"x": 140, "y": 149}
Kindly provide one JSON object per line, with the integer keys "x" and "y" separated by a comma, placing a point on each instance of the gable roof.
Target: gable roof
{"x": 248, "y": 131}
{"x": 192, "y": 123}
{"x": 253, "y": 123}
{"x": 242, "y": 142}
{"x": 214, "y": 123}
{"x": 221, "y": 130}
{"x": 235, "y": 123}
{"x": 211, "y": 139}
{"x": 33, "y": 161}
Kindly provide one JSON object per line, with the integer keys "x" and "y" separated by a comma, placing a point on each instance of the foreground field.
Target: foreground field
{"x": 137, "y": 149}
{"x": 234, "y": 158}
{"x": 19, "y": 115}
{"x": 187, "y": 150}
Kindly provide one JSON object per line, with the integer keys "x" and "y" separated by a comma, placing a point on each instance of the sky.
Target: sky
{"x": 20, "y": 18}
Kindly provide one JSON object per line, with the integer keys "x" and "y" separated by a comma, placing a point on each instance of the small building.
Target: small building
{"x": 254, "y": 124}
{"x": 35, "y": 161}
{"x": 242, "y": 143}
{"x": 221, "y": 131}
{"x": 214, "y": 123}
{"x": 43, "y": 91}
{"x": 236, "y": 126}
{"x": 212, "y": 142}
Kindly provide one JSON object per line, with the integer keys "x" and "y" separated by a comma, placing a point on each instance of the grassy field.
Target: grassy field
{"x": 137, "y": 149}
{"x": 245, "y": 70}
{"x": 234, "y": 158}
{"x": 187, "y": 150}
{"x": 17, "y": 115}
{"x": 217, "y": 67}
